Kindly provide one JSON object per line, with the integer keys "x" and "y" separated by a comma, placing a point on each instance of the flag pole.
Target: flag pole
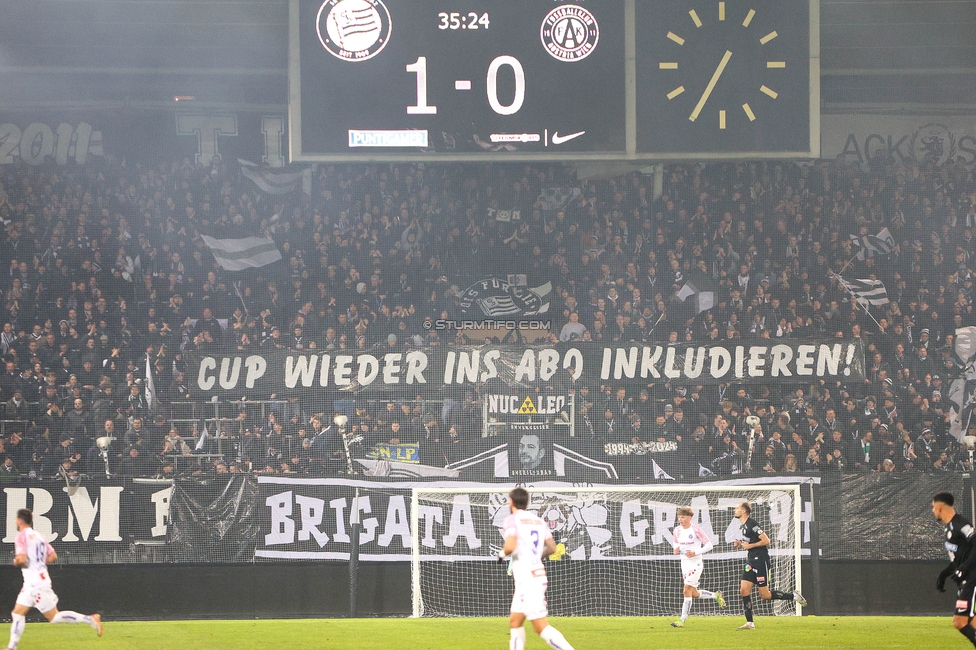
{"x": 237, "y": 289}
{"x": 856, "y": 301}
{"x": 849, "y": 262}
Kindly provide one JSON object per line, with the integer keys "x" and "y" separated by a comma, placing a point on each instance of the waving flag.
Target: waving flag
{"x": 240, "y": 254}
{"x": 868, "y": 292}
{"x": 659, "y": 473}
{"x": 272, "y": 181}
{"x": 202, "y": 442}
{"x": 872, "y": 245}
{"x": 151, "y": 400}
{"x": 704, "y": 300}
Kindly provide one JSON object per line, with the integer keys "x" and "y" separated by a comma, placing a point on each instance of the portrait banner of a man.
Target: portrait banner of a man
{"x": 530, "y": 450}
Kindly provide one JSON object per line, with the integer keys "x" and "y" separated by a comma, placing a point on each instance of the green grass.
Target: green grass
{"x": 492, "y": 634}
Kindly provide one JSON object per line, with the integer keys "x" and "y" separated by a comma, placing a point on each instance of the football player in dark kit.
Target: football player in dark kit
{"x": 756, "y": 542}
{"x": 960, "y": 538}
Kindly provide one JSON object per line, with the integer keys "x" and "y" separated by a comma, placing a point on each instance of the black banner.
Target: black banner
{"x": 885, "y": 516}
{"x": 434, "y": 369}
{"x": 87, "y": 518}
{"x": 214, "y": 520}
{"x": 312, "y": 519}
{"x": 240, "y": 518}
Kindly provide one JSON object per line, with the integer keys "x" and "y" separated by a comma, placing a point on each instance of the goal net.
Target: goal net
{"x": 618, "y": 557}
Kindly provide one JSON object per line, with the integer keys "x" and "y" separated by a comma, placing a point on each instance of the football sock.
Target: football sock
{"x": 747, "y": 605}
{"x": 685, "y": 609}
{"x": 517, "y": 642}
{"x": 702, "y": 593}
{"x": 969, "y": 633}
{"x": 17, "y": 629}
{"x": 555, "y": 640}
{"x": 780, "y": 595}
{"x": 71, "y": 617}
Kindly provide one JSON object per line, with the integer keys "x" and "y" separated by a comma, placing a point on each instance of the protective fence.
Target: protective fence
{"x": 617, "y": 543}
{"x": 240, "y": 518}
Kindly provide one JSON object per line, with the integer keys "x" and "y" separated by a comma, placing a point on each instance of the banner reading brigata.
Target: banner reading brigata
{"x": 433, "y": 369}
{"x": 311, "y": 519}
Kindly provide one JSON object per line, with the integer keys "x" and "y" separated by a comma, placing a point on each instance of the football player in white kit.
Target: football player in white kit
{"x": 691, "y": 543}
{"x": 527, "y": 540}
{"x": 32, "y": 553}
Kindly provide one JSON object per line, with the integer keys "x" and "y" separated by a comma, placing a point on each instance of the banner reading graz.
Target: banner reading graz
{"x": 415, "y": 369}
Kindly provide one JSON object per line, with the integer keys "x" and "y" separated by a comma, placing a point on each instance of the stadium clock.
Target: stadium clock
{"x": 456, "y": 79}
{"x": 736, "y": 77}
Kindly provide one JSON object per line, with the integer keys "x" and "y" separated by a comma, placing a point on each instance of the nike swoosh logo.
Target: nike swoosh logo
{"x": 559, "y": 139}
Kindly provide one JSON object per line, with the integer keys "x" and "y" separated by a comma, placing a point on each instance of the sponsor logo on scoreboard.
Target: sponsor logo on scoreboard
{"x": 570, "y": 33}
{"x": 353, "y": 30}
{"x": 406, "y": 138}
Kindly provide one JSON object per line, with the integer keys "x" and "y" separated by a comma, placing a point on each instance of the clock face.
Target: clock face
{"x": 727, "y": 77}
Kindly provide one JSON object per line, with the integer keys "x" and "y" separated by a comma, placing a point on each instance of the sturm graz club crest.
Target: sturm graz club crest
{"x": 933, "y": 143}
{"x": 353, "y": 30}
{"x": 570, "y": 33}
{"x": 496, "y": 298}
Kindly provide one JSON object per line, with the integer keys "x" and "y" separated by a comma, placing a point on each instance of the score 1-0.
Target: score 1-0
{"x": 419, "y": 67}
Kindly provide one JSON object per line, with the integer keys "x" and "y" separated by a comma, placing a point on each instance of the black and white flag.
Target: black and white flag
{"x": 556, "y": 198}
{"x": 240, "y": 254}
{"x": 495, "y": 298}
{"x": 871, "y": 245}
{"x": 868, "y": 292}
{"x": 704, "y": 300}
{"x": 151, "y": 401}
{"x": 659, "y": 473}
{"x": 202, "y": 441}
{"x": 962, "y": 390}
{"x": 272, "y": 181}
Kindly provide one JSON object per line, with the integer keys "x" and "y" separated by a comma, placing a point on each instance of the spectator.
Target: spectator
{"x": 8, "y": 471}
{"x": 358, "y": 270}
{"x": 135, "y": 434}
{"x": 573, "y": 329}
{"x": 132, "y": 463}
{"x": 17, "y": 406}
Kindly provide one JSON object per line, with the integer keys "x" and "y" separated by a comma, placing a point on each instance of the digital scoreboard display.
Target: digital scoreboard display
{"x": 561, "y": 80}
{"x": 461, "y": 77}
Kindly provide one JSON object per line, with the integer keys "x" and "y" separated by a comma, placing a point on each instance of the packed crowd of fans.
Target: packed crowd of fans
{"x": 105, "y": 263}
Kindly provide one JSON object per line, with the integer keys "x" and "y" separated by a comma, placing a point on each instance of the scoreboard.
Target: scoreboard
{"x": 553, "y": 80}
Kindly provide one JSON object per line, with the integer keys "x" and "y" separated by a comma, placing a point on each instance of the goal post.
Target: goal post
{"x": 618, "y": 557}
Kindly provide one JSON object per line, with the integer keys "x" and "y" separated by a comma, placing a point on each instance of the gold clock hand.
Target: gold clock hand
{"x": 711, "y": 85}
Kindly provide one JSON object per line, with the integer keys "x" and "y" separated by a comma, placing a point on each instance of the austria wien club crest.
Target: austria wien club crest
{"x": 570, "y": 33}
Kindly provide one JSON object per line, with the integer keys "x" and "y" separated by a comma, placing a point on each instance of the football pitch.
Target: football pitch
{"x": 492, "y": 634}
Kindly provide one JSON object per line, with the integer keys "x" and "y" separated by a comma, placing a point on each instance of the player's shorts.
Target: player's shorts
{"x": 966, "y": 600}
{"x": 42, "y": 598}
{"x": 691, "y": 573}
{"x": 530, "y": 599}
{"x": 757, "y": 571}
